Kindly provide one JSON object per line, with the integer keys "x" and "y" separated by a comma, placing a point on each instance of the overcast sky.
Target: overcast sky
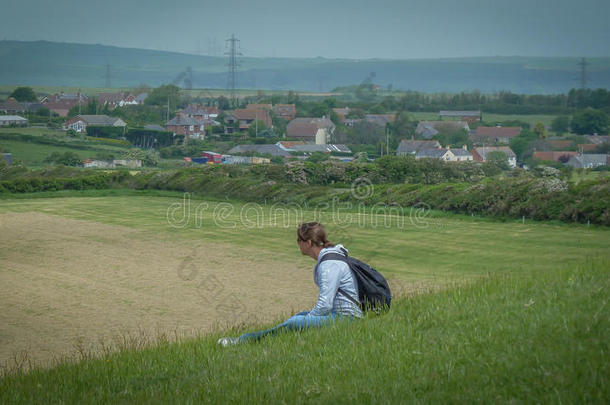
{"x": 356, "y": 29}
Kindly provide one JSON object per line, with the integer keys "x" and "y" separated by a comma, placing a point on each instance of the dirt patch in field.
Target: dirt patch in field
{"x": 69, "y": 285}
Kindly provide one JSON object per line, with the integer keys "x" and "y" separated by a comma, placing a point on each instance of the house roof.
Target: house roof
{"x": 380, "y": 119}
{"x": 12, "y": 105}
{"x": 182, "y": 120}
{"x": 598, "y": 139}
{"x": 12, "y": 118}
{"x": 154, "y": 127}
{"x": 272, "y": 149}
{"x": 435, "y": 153}
{"x": 250, "y": 114}
{"x": 110, "y": 98}
{"x": 497, "y": 132}
{"x": 141, "y": 97}
{"x": 288, "y": 144}
{"x": 560, "y": 144}
{"x": 430, "y": 128}
{"x": 98, "y": 119}
{"x": 325, "y": 148}
{"x": 412, "y": 146}
{"x": 484, "y": 150}
{"x": 597, "y": 159}
{"x": 307, "y": 126}
{"x": 553, "y": 155}
{"x": 447, "y": 113}
{"x": 460, "y": 152}
{"x": 284, "y": 109}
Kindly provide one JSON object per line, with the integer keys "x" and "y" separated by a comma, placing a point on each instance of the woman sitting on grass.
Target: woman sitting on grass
{"x": 338, "y": 289}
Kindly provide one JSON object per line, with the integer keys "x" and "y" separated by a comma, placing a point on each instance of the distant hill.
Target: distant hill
{"x": 45, "y": 63}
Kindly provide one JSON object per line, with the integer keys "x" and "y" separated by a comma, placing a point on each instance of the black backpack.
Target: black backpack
{"x": 373, "y": 289}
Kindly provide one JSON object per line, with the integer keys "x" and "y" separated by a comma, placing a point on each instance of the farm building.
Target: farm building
{"x": 6, "y": 120}
{"x": 80, "y": 122}
{"x": 411, "y": 147}
{"x": 311, "y": 130}
{"x": 588, "y": 161}
{"x": 427, "y": 129}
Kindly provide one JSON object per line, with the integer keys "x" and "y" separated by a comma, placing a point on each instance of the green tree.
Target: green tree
{"x": 318, "y": 157}
{"x": 540, "y": 130}
{"x": 22, "y": 94}
{"x": 66, "y": 159}
{"x": 148, "y": 157}
{"x": 561, "y": 124}
{"x": 162, "y": 95}
{"x": 589, "y": 121}
{"x": 498, "y": 158}
{"x": 256, "y": 126}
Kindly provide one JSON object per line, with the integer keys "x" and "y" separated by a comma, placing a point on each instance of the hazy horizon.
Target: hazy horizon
{"x": 399, "y": 30}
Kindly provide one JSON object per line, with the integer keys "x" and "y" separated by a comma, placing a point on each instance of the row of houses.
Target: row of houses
{"x": 62, "y": 103}
{"x": 481, "y": 135}
{"x": 427, "y": 149}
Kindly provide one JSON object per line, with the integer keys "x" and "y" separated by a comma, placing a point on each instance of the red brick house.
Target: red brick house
{"x": 245, "y": 117}
{"x": 311, "y": 130}
{"x": 187, "y": 126}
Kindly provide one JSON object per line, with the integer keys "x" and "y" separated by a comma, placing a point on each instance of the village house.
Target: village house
{"x": 342, "y": 113}
{"x": 285, "y": 111}
{"x": 468, "y": 116}
{"x": 12, "y": 106}
{"x": 187, "y": 126}
{"x": 62, "y": 103}
{"x": 411, "y": 147}
{"x": 80, "y": 122}
{"x": 589, "y": 161}
{"x": 557, "y": 156}
{"x": 311, "y": 130}
{"x": 7, "y": 120}
{"x": 480, "y": 154}
{"x": 445, "y": 154}
{"x": 427, "y": 129}
{"x": 380, "y": 119}
{"x": 493, "y": 135}
{"x": 245, "y": 117}
{"x": 200, "y": 112}
{"x": 120, "y": 99}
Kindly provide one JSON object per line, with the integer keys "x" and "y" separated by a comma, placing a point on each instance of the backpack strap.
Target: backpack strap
{"x": 342, "y": 258}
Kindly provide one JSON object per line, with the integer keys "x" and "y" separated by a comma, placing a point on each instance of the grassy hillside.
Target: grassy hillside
{"x": 32, "y": 145}
{"x": 536, "y": 338}
{"x": 45, "y": 63}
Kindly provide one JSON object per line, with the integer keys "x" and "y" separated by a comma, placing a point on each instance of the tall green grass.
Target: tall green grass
{"x": 537, "y": 338}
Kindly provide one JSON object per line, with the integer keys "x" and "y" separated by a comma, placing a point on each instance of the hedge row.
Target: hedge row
{"x": 37, "y": 184}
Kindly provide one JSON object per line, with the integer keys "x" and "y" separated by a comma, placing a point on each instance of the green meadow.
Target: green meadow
{"x": 416, "y": 246}
{"x": 511, "y": 312}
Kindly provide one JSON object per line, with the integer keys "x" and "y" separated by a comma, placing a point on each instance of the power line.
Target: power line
{"x": 233, "y": 44}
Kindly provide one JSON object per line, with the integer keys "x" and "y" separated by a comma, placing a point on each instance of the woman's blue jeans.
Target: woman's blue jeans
{"x": 300, "y": 321}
